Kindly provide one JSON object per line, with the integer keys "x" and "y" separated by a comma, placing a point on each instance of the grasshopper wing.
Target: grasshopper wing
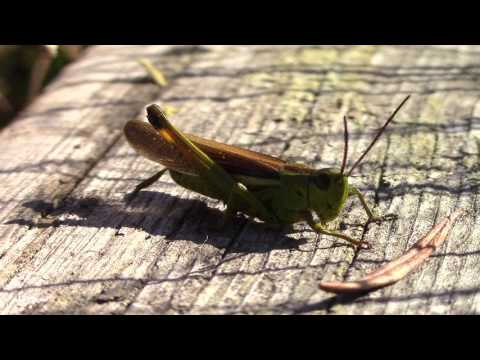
{"x": 157, "y": 146}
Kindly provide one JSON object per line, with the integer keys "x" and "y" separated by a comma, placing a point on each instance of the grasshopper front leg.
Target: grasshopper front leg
{"x": 147, "y": 182}
{"x": 320, "y": 228}
{"x": 371, "y": 216}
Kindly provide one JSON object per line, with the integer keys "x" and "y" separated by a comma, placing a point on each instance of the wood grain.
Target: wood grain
{"x": 71, "y": 243}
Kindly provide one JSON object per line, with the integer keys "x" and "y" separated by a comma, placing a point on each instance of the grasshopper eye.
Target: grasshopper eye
{"x": 322, "y": 181}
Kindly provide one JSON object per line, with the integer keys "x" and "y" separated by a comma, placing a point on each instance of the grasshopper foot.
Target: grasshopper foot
{"x": 321, "y": 229}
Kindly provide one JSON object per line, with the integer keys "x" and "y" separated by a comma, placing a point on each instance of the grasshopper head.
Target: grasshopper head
{"x": 327, "y": 193}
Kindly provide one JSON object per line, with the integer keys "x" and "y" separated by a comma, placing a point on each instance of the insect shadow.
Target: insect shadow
{"x": 161, "y": 214}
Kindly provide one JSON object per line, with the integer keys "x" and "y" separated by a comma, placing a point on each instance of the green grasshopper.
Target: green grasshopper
{"x": 259, "y": 185}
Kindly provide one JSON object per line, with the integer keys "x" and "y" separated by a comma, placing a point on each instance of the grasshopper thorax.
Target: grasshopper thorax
{"x": 323, "y": 191}
{"x": 327, "y": 192}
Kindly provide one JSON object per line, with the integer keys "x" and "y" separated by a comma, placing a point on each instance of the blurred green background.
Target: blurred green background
{"x": 25, "y": 70}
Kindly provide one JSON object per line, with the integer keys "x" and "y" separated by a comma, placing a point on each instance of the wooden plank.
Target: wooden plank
{"x": 72, "y": 244}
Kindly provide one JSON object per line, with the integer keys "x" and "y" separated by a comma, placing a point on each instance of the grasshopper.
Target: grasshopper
{"x": 259, "y": 185}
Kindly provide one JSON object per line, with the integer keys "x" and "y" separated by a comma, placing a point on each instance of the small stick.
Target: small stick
{"x": 401, "y": 267}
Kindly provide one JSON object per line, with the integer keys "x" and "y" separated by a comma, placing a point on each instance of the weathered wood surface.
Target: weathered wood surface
{"x": 70, "y": 243}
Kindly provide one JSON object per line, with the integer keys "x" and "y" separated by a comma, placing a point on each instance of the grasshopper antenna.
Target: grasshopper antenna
{"x": 380, "y": 132}
{"x": 345, "y": 148}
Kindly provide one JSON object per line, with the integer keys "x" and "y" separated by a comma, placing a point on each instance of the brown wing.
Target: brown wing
{"x": 236, "y": 161}
{"x": 241, "y": 161}
{"x": 150, "y": 144}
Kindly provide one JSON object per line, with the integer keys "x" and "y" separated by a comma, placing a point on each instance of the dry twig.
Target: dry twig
{"x": 401, "y": 267}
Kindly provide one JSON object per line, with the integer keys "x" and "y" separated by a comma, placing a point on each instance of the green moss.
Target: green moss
{"x": 318, "y": 55}
{"x": 433, "y": 109}
{"x": 303, "y": 75}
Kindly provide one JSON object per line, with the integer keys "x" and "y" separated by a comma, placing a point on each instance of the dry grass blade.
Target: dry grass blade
{"x": 154, "y": 73}
{"x": 401, "y": 267}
